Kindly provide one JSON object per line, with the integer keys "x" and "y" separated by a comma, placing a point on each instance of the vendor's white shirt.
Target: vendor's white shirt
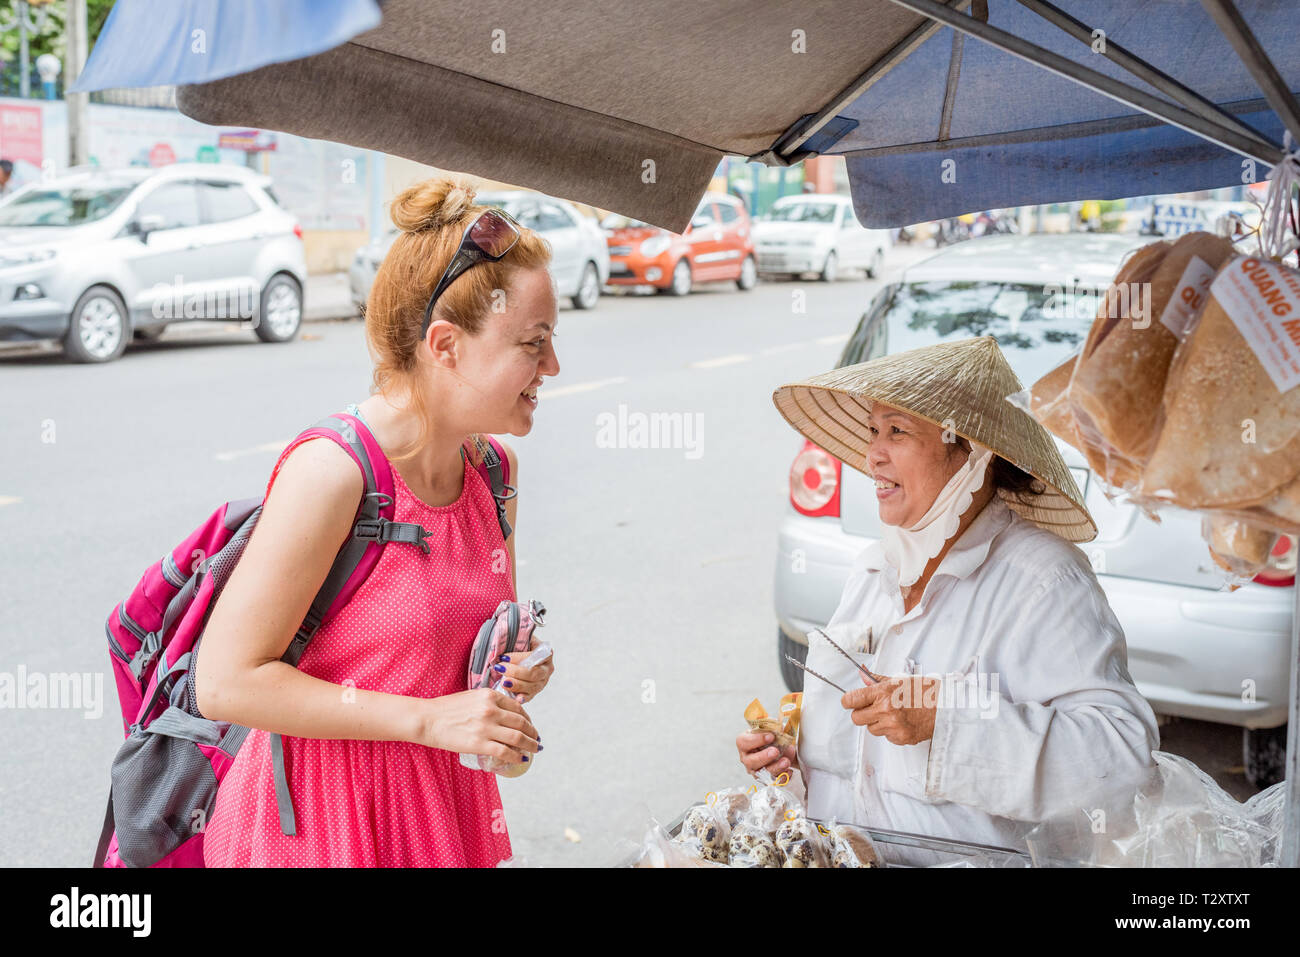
{"x": 1037, "y": 713}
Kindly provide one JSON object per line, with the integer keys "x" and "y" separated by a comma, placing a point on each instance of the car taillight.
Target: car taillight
{"x": 815, "y": 482}
{"x": 1280, "y": 570}
{"x": 297, "y": 230}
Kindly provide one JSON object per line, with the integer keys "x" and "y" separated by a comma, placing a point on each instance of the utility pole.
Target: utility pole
{"x": 78, "y": 103}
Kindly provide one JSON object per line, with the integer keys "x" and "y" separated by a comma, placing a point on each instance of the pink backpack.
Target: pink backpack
{"x": 166, "y": 774}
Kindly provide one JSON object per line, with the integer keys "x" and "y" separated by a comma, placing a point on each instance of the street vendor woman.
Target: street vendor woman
{"x": 1001, "y": 691}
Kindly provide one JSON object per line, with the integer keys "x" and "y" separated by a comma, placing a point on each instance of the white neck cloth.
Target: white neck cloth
{"x": 909, "y": 550}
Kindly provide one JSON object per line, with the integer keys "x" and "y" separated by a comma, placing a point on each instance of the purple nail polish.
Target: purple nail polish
{"x": 508, "y": 684}
{"x": 505, "y": 657}
{"x": 500, "y": 668}
{"x": 540, "y": 748}
{"x": 525, "y": 757}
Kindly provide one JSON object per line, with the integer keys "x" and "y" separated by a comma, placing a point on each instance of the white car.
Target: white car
{"x": 817, "y": 232}
{"x": 1194, "y": 649}
{"x": 95, "y": 256}
{"x": 579, "y": 252}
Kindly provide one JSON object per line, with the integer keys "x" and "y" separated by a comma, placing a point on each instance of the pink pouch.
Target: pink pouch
{"x": 508, "y": 631}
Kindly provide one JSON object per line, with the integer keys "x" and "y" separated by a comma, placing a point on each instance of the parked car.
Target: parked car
{"x": 94, "y": 257}
{"x": 817, "y": 232}
{"x": 579, "y": 257}
{"x": 717, "y": 246}
{"x": 1194, "y": 649}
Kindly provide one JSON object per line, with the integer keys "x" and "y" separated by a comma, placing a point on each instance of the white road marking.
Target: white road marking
{"x": 546, "y": 392}
{"x": 264, "y": 447}
{"x": 773, "y": 350}
{"x": 721, "y": 361}
{"x": 9, "y": 499}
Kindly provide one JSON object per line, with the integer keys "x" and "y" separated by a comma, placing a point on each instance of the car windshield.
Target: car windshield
{"x": 803, "y": 213}
{"x": 67, "y": 206}
{"x": 1036, "y": 326}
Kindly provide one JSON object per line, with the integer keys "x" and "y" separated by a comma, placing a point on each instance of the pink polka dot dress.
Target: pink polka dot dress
{"x": 408, "y": 630}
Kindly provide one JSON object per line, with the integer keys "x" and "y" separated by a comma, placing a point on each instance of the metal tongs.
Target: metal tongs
{"x": 803, "y": 667}
{"x": 862, "y": 669}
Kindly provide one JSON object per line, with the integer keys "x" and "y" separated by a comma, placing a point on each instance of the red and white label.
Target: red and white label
{"x": 1189, "y": 297}
{"x": 1263, "y": 300}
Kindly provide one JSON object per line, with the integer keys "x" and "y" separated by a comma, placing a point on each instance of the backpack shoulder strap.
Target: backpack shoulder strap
{"x": 372, "y": 530}
{"x": 495, "y": 469}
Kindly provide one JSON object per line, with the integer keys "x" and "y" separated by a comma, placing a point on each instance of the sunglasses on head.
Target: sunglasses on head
{"x": 486, "y": 239}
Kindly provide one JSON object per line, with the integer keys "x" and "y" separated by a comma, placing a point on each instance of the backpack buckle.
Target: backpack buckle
{"x": 370, "y": 529}
{"x": 143, "y": 658}
{"x": 381, "y": 530}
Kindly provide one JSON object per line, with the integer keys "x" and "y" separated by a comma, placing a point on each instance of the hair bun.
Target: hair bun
{"x": 432, "y": 204}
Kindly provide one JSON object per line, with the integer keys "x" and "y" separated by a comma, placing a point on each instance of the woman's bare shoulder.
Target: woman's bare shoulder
{"x": 318, "y": 480}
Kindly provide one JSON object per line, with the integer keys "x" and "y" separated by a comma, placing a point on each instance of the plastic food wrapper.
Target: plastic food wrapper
{"x": 1238, "y": 547}
{"x": 705, "y": 833}
{"x": 752, "y": 846}
{"x": 1231, "y": 434}
{"x": 731, "y": 803}
{"x": 802, "y": 844}
{"x": 1117, "y": 387}
{"x": 772, "y": 802}
{"x": 1047, "y": 400}
{"x": 785, "y": 727}
{"x": 851, "y": 847}
{"x": 1177, "y": 817}
{"x": 659, "y": 850}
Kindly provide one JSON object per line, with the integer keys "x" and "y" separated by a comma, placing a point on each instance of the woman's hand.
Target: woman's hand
{"x": 758, "y": 750}
{"x": 524, "y": 683}
{"x": 902, "y": 710}
{"x": 479, "y": 722}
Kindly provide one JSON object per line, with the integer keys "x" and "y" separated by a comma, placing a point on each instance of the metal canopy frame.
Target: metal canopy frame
{"x": 1194, "y": 114}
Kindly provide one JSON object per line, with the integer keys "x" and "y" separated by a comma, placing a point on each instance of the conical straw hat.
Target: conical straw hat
{"x": 960, "y": 386}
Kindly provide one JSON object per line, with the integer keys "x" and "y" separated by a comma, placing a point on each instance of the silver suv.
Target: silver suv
{"x": 95, "y": 256}
{"x": 1195, "y": 650}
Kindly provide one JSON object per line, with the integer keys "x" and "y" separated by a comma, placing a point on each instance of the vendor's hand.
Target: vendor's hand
{"x": 901, "y": 710}
{"x": 524, "y": 683}
{"x": 758, "y": 750}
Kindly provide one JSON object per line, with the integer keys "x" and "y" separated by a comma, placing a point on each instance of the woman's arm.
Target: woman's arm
{"x": 239, "y": 676}
{"x": 1064, "y": 727}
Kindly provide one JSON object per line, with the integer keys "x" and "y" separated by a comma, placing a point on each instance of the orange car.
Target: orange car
{"x": 717, "y": 245}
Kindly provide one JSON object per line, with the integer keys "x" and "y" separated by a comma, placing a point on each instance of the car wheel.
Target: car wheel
{"x": 748, "y": 274}
{"x": 98, "y": 327}
{"x": 792, "y": 676}
{"x": 681, "y": 284}
{"x": 1263, "y": 752}
{"x": 152, "y": 334}
{"x": 281, "y": 310}
{"x": 832, "y": 267}
{"x": 589, "y": 289}
{"x": 873, "y": 271}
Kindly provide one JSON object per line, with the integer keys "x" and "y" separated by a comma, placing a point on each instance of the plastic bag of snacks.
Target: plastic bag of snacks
{"x": 1118, "y": 385}
{"x": 705, "y": 833}
{"x": 851, "y": 847}
{"x": 785, "y": 728}
{"x": 752, "y": 846}
{"x": 731, "y": 803}
{"x": 802, "y": 844}
{"x": 1238, "y": 547}
{"x": 771, "y": 802}
{"x": 659, "y": 850}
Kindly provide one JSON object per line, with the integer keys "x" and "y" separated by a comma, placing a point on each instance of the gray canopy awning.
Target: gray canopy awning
{"x": 631, "y": 106}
